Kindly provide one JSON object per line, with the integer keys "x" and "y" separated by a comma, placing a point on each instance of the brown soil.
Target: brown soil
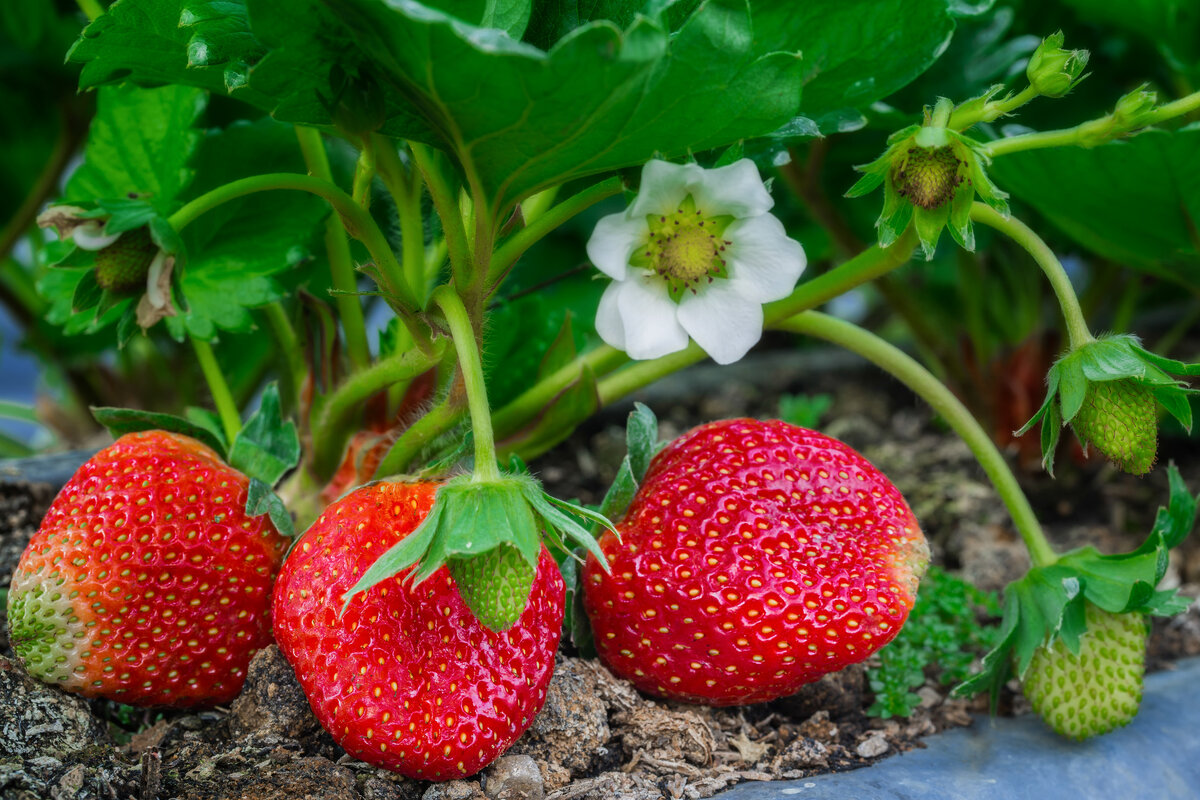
{"x": 597, "y": 737}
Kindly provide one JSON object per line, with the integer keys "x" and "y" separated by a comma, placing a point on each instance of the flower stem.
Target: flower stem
{"x": 448, "y": 210}
{"x": 357, "y": 221}
{"x": 357, "y": 389}
{"x": 556, "y": 215}
{"x": 405, "y": 188}
{"x": 231, "y": 421}
{"x": 1019, "y": 232}
{"x": 942, "y": 400}
{"x": 1176, "y": 108}
{"x": 437, "y": 421}
{"x": 467, "y": 347}
{"x": 532, "y": 401}
{"x": 866, "y": 266}
{"x": 285, "y": 337}
{"x": 337, "y": 250}
{"x": 993, "y": 110}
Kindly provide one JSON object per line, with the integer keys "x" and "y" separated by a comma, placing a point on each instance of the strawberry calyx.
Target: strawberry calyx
{"x": 1049, "y": 607}
{"x": 489, "y": 533}
{"x": 1120, "y": 419}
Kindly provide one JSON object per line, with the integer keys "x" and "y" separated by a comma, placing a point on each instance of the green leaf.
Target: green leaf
{"x": 140, "y": 143}
{"x": 261, "y": 500}
{"x": 152, "y": 42}
{"x": 855, "y": 51}
{"x": 267, "y": 446}
{"x": 562, "y": 350}
{"x": 1135, "y": 202}
{"x": 120, "y": 421}
{"x": 526, "y": 338}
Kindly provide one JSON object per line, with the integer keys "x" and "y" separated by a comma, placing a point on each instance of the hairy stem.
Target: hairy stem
{"x": 895, "y": 362}
{"x": 436, "y": 422}
{"x": 552, "y": 218}
{"x": 218, "y": 387}
{"x": 337, "y": 249}
{"x": 446, "y": 205}
{"x": 285, "y": 337}
{"x": 1019, "y": 232}
{"x": 466, "y": 345}
{"x": 405, "y": 188}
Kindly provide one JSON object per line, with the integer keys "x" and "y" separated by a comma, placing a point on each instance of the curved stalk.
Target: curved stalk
{"x": 1019, "y": 232}
{"x": 447, "y": 208}
{"x": 508, "y": 253}
{"x": 993, "y": 110}
{"x": 337, "y": 250}
{"x": 467, "y": 347}
{"x": 358, "y": 222}
{"x": 897, "y": 363}
{"x": 436, "y": 422}
{"x": 285, "y": 337}
{"x": 222, "y": 397}
{"x": 360, "y": 386}
{"x": 405, "y": 188}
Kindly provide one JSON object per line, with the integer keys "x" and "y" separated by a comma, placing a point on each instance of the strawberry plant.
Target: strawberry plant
{"x": 357, "y": 262}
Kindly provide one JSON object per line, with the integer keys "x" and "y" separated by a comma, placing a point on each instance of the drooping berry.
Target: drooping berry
{"x": 1099, "y": 689}
{"x": 1120, "y": 419}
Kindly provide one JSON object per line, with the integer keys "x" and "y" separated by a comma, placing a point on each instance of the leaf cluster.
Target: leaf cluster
{"x": 943, "y": 636}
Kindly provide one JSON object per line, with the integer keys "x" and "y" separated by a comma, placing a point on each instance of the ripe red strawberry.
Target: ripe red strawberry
{"x": 407, "y": 678}
{"x": 754, "y": 558}
{"x": 147, "y": 583}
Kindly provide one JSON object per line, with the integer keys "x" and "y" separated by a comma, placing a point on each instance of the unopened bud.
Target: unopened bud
{"x": 1134, "y": 109}
{"x": 1053, "y": 71}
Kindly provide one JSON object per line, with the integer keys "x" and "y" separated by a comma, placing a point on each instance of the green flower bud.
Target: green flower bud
{"x": 1134, "y": 109}
{"x": 1053, "y": 71}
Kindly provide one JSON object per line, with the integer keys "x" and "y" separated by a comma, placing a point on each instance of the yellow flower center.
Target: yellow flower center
{"x": 685, "y": 248}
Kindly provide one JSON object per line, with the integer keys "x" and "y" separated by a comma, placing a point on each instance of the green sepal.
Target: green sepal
{"x": 896, "y": 215}
{"x": 960, "y": 217}
{"x": 87, "y": 293}
{"x": 1168, "y": 365}
{"x": 267, "y": 447}
{"x": 929, "y": 223}
{"x": 1047, "y": 603}
{"x": 470, "y": 518}
{"x": 123, "y": 213}
{"x": 120, "y": 421}
{"x": 1052, "y": 426}
{"x": 260, "y": 499}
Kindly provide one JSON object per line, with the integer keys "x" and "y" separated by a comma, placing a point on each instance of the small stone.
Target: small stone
{"x": 872, "y": 746}
{"x": 803, "y": 754}
{"x": 272, "y": 700}
{"x": 455, "y": 790}
{"x": 514, "y": 778}
{"x": 37, "y": 719}
{"x": 930, "y": 696}
{"x": 819, "y": 727}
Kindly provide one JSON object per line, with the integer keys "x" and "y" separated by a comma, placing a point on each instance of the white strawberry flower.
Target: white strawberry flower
{"x": 697, "y": 255}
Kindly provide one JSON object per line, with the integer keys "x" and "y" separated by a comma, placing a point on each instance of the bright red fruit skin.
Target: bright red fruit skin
{"x": 147, "y": 583}
{"x": 754, "y": 558}
{"x": 408, "y": 679}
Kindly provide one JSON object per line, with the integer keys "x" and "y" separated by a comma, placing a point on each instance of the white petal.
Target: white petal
{"x": 614, "y": 240}
{"x": 648, "y": 318}
{"x": 90, "y": 236}
{"x": 763, "y": 262}
{"x": 608, "y": 317}
{"x": 725, "y": 323}
{"x": 736, "y": 189}
{"x": 664, "y": 185}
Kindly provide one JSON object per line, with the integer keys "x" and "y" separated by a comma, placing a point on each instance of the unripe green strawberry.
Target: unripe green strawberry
{"x": 1099, "y": 690}
{"x": 124, "y": 264}
{"x": 1120, "y": 419}
{"x": 928, "y": 176}
{"x": 494, "y": 585}
{"x": 147, "y": 583}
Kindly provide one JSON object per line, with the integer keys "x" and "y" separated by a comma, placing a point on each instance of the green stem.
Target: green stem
{"x": 219, "y": 388}
{"x": 357, "y": 389}
{"x": 552, "y": 218}
{"x": 405, "y": 189}
{"x": 337, "y": 251}
{"x": 906, "y": 369}
{"x": 1176, "y": 108}
{"x": 448, "y": 210}
{"x": 532, "y": 401}
{"x": 993, "y": 110}
{"x": 285, "y": 337}
{"x": 1019, "y": 232}
{"x": 364, "y": 173}
{"x": 942, "y": 111}
{"x": 18, "y": 411}
{"x": 1068, "y": 137}
{"x": 467, "y": 347}
{"x": 439, "y": 419}
{"x": 91, "y": 8}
